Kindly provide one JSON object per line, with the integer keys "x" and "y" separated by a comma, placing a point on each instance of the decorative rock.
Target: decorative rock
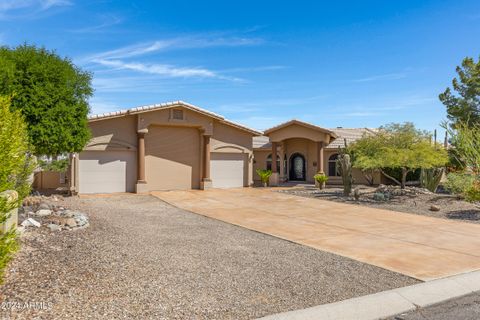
{"x": 44, "y": 205}
{"x": 378, "y": 196}
{"x": 71, "y": 222}
{"x": 43, "y": 212}
{"x": 434, "y": 208}
{"x": 67, "y": 213}
{"x": 54, "y": 227}
{"x": 30, "y": 222}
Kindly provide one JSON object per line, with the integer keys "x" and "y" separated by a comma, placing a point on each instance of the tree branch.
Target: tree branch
{"x": 390, "y": 177}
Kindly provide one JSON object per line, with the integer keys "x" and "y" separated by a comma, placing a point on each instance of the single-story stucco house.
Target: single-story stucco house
{"x": 177, "y": 145}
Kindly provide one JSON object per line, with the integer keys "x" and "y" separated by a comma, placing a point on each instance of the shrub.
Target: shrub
{"x": 264, "y": 175}
{"x": 15, "y": 169}
{"x": 321, "y": 179}
{"x": 473, "y": 193}
{"x": 459, "y": 183}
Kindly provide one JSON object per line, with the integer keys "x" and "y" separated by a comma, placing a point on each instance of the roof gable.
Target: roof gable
{"x": 168, "y": 105}
{"x": 302, "y": 124}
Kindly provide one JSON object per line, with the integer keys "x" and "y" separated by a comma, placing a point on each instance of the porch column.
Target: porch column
{"x": 141, "y": 185}
{"x": 206, "y": 182}
{"x": 274, "y": 177}
{"x": 274, "y": 157}
{"x": 282, "y": 165}
{"x": 320, "y": 167}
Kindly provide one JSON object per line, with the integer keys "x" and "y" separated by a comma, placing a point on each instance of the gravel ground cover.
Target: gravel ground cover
{"x": 141, "y": 258}
{"x": 450, "y": 207}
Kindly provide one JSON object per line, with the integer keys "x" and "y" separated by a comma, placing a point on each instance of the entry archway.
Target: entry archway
{"x": 297, "y": 167}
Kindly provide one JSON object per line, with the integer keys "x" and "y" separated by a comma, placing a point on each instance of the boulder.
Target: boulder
{"x": 54, "y": 227}
{"x": 43, "y": 212}
{"x": 70, "y": 222}
{"x": 31, "y": 222}
{"x": 434, "y": 208}
{"x": 43, "y": 205}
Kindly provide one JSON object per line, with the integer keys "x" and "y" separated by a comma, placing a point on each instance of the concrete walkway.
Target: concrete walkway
{"x": 421, "y": 247}
{"x": 389, "y": 303}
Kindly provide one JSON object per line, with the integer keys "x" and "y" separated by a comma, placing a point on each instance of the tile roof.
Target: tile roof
{"x": 167, "y": 105}
{"x": 350, "y": 134}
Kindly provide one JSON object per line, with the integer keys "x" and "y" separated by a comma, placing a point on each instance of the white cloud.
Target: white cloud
{"x": 186, "y": 42}
{"x": 107, "y": 21}
{"x": 164, "y": 70}
{"x": 10, "y": 9}
{"x": 388, "y": 76}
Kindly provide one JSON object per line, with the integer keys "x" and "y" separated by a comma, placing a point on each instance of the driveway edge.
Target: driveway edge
{"x": 391, "y": 302}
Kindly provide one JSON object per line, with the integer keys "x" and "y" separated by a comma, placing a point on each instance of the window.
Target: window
{"x": 269, "y": 162}
{"x": 332, "y": 165}
{"x": 177, "y": 114}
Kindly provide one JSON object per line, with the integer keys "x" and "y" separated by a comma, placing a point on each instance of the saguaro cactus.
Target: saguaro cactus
{"x": 344, "y": 166}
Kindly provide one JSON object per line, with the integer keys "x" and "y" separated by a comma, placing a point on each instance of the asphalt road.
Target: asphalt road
{"x": 465, "y": 308}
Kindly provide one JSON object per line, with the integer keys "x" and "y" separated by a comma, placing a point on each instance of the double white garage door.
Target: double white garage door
{"x": 115, "y": 171}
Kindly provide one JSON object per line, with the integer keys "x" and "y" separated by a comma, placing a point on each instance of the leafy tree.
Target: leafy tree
{"x": 397, "y": 146}
{"x": 465, "y": 106}
{"x": 15, "y": 169}
{"x": 51, "y": 93}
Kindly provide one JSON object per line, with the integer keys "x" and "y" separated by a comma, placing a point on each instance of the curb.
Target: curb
{"x": 389, "y": 303}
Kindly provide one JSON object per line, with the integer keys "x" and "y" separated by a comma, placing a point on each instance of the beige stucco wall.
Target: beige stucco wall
{"x": 173, "y": 148}
{"x": 113, "y": 134}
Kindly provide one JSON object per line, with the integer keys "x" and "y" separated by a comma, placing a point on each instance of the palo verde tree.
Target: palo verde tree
{"x": 52, "y": 95}
{"x": 399, "y": 146}
{"x": 465, "y": 105}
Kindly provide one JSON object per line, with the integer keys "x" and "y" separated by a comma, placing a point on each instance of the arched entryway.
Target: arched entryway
{"x": 297, "y": 167}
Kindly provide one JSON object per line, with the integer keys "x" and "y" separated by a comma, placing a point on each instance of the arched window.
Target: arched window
{"x": 269, "y": 162}
{"x": 332, "y": 165}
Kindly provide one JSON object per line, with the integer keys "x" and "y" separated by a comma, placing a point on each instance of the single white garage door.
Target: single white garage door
{"x": 107, "y": 171}
{"x": 227, "y": 170}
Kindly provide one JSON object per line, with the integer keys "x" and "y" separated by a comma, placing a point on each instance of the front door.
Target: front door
{"x": 297, "y": 167}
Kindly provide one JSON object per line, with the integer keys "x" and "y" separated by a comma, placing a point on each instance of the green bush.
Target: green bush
{"x": 321, "y": 179}
{"x": 459, "y": 183}
{"x": 15, "y": 170}
{"x": 264, "y": 175}
{"x": 473, "y": 193}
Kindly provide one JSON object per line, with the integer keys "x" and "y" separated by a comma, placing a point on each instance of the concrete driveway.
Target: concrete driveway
{"x": 421, "y": 247}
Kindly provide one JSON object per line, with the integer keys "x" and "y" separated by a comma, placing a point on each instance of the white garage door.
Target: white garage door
{"x": 227, "y": 170}
{"x": 107, "y": 171}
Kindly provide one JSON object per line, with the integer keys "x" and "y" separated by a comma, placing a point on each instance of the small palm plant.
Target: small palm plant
{"x": 321, "y": 179}
{"x": 264, "y": 176}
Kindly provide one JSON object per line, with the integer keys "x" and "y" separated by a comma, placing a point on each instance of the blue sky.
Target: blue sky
{"x": 333, "y": 63}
